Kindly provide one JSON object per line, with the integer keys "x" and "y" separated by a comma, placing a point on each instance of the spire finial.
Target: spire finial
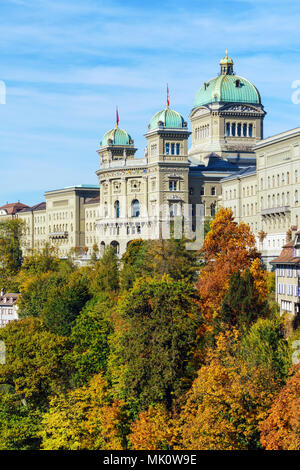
{"x": 168, "y": 98}
{"x": 117, "y": 117}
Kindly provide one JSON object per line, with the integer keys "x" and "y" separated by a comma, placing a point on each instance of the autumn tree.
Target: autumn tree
{"x": 281, "y": 429}
{"x": 154, "y": 429}
{"x": 84, "y": 418}
{"x": 228, "y": 248}
{"x": 151, "y": 358}
{"x": 226, "y": 403}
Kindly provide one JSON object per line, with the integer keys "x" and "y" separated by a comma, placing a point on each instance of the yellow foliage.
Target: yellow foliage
{"x": 260, "y": 276}
{"x": 84, "y": 418}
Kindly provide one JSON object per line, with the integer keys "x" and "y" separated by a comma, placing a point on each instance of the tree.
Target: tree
{"x": 227, "y": 402}
{"x": 19, "y": 424}
{"x": 151, "y": 357}
{"x": 134, "y": 263}
{"x": 242, "y": 304}
{"x": 56, "y": 298}
{"x": 104, "y": 276}
{"x": 84, "y": 418}
{"x": 264, "y": 346}
{"x": 171, "y": 257}
{"x": 34, "y": 361}
{"x": 89, "y": 339}
{"x": 281, "y": 429}
{"x": 11, "y": 232}
{"x": 153, "y": 430}
{"x": 228, "y": 248}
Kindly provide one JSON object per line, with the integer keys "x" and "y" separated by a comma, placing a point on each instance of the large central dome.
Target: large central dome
{"x": 227, "y": 87}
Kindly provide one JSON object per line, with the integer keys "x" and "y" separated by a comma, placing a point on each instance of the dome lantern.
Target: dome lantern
{"x": 226, "y": 65}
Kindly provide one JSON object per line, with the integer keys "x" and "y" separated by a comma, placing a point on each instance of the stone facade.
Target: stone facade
{"x": 268, "y": 198}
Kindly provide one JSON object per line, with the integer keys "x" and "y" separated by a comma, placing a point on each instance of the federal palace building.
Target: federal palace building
{"x": 220, "y": 158}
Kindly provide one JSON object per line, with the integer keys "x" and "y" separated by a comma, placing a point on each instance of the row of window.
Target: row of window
{"x": 288, "y": 271}
{"x": 135, "y": 209}
{"x": 172, "y": 149}
{"x": 202, "y": 191}
{"x": 60, "y": 215}
{"x": 239, "y": 129}
{"x": 277, "y": 180}
{"x": 202, "y": 132}
{"x": 288, "y": 289}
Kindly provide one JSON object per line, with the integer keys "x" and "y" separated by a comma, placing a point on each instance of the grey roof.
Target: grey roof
{"x": 250, "y": 170}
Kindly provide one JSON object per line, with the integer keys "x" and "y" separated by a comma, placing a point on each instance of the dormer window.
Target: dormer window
{"x": 238, "y": 83}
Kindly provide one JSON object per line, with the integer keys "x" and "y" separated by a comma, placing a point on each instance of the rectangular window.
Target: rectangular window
{"x": 172, "y": 185}
{"x": 167, "y": 149}
{"x": 177, "y": 149}
{"x": 172, "y": 149}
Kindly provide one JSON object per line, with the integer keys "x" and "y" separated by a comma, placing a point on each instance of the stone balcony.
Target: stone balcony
{"x": 275, "y": 210}
{"x": 58, "y": 235}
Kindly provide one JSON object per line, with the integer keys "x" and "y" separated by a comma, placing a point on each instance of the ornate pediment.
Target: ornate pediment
{"x": 242, "y": 109}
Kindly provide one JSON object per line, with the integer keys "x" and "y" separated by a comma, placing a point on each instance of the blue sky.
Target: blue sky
{"x": 68, "y": 63}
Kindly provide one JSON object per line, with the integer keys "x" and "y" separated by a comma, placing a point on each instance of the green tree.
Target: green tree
{"x": 264, "y": 346}
{"x": 89, "y": 338}
{"x": 242, "y": 304}
{"x": 104, "y": 276}
{"x": 134, "y": 263}
{"x": 35, "y": 366}
{"x": 11, "y": 232}
{"x": 152, "y": 347}
{"x": 19, "y": 424}
{"x": 56, "y": 298}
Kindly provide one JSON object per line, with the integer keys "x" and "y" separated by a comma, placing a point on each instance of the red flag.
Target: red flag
{"x": 168, "y": 97}
{"x": 117, "y": 116}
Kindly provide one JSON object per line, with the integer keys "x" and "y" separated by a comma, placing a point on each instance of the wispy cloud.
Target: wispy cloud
{"x": 68, "y": 63}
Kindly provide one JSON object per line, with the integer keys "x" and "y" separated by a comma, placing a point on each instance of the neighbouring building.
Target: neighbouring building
{"x": 8, "y": 308}
{"x": 287, "y": 269}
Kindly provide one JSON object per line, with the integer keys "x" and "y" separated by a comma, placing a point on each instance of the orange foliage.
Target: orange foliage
{"x": 281, "y": 430}
{"x": 226, "y": 403}
{"x": 227, "y": 248}
{"x": 153, "y": 430}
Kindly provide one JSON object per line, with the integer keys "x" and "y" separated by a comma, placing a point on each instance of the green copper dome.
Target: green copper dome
{"x": 117, "y": 137}
{"x": 227, "y": 87}
{"x": 167, "y": 118}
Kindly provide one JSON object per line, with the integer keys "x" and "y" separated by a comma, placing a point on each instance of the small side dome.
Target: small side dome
{"x": 167, "y": 118}
{"x": 116, "y": 137}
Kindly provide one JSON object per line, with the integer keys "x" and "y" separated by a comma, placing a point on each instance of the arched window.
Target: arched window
{"x": 213, "y": 191}
{"x": 116, "y": 246}
{"x": 213, "y": 210}
{"x": 135, "y": 208}
{"x": 117, "y": 209}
